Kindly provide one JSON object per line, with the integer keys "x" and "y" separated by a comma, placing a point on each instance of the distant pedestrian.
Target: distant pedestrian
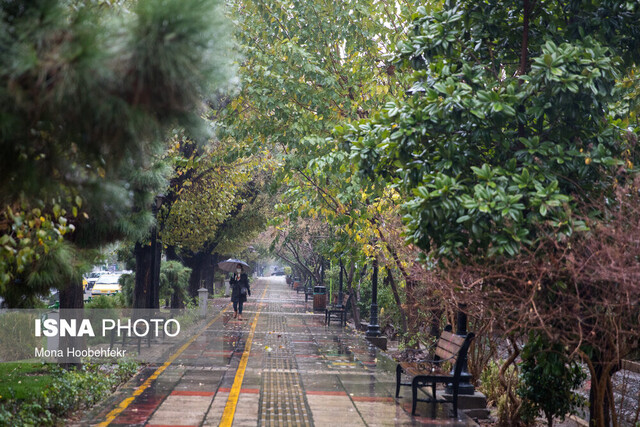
{"x": 239, "y": 290}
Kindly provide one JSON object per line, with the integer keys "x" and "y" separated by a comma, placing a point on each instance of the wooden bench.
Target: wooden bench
{"x": 337, "y": 312}
{"x": 427, "y": 373}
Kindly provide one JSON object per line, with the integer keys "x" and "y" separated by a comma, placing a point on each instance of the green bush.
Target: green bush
{"x": 548, "y": 379}
{"x": 127, "y": 284}
{"x": 497, "y": 394}
{"x": 174, "y": 282}
{"x": 107, "y": 302}
{"x": 16, "y": 336}
{"x": 69, "y": 391}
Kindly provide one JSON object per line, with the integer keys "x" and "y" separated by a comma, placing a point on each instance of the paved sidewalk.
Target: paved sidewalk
{"x": 279, "y": 366}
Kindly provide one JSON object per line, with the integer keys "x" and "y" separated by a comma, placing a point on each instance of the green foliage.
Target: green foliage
{"x": 488, "y": 146}
{"x": 35, "y": 271}
{"x": 174, "y": 281}
{"x": 105, "y": 302}
{"x": 127, "y": 284}
{"x": 311, "y": 65}
{"x": 80, "y": 149}
{"x": 49, "y": 402}
{"x": 498, "y": 393}
{"x": 490, "y": 381}
{"x": 548, "y": 378}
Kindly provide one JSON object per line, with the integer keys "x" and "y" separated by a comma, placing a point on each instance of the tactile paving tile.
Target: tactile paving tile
{"x": 282, "y": 401}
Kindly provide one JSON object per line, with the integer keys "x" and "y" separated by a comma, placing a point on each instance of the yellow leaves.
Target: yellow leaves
{"x": 368, "y": 250}
{"x": 101, "y": 172}
{"x": 380, "y": 90}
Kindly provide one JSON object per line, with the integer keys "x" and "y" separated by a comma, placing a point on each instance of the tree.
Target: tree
{"x": 87, "y": 95}
{"x": 302, "y": 76}
{"x": 214, "y": 205}
{"x": 518, "y": 114}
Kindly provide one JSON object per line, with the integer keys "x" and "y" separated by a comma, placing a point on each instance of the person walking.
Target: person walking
{"x": 239, "y": 291}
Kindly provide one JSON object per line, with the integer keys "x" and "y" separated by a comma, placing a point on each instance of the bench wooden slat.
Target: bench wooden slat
{"x": 451, "y": 337}
{"x": 421, "y": 368}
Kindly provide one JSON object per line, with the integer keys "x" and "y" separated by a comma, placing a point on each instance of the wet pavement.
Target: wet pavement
{"x": 279, "y": 366}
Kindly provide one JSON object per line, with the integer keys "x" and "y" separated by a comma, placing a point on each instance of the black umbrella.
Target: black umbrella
{"x": 231, "y": 264}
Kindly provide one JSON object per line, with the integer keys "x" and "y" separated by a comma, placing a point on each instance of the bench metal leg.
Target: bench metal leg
{"x": 398, "y": 378}
{"x": 433, "y": 397}
{"x": 455, "y": 400}
{"x": 414, "y": 396}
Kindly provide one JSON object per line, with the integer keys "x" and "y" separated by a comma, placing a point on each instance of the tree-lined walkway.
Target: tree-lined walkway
{"x": 279, "y": 366}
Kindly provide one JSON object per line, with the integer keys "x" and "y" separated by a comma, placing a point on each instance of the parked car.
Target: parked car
{"x": 92, "y": 278}
{"x": 107, "y": 284}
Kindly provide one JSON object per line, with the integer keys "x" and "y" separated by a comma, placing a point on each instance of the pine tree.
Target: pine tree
{"x": 87, "y": 95}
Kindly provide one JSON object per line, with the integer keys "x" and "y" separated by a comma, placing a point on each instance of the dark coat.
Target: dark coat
{"x": 236, "y": 285}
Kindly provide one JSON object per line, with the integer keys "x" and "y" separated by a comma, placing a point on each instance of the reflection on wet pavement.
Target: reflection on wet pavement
{"x": 296, "y": 371}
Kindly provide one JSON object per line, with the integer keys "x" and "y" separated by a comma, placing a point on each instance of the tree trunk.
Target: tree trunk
{"x": 176, "y": 302}
{"x": 600, "y": 393}
{"x": 171, "y": 254}
{"x": 156, "y": 259}
{"x": 396, "y": 296}
{"x": 142, "y": 292}
{"x": 211, "y": 284}
{"x": 412, "y": 323}
{"x": 72, "y": 296}
{"x": 71, "y": 305}
{"x": 196, "y": 264}
{"x": 206, "y": 273}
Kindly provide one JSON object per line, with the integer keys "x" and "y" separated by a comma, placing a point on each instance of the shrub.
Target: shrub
{"x": 548, "y": 379}
{"x": 69, "y": 391}
{"x": 107, "y": 302}
{"x": 174, "y": 283}
{"x": 497, "y": 393}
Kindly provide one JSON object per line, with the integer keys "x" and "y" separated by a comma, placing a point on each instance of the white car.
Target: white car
{"x": 107, "y": 284}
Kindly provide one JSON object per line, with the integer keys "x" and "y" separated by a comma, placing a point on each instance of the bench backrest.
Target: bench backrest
{"x": 454, "y": 348}
{"x": 449, "y": 345}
